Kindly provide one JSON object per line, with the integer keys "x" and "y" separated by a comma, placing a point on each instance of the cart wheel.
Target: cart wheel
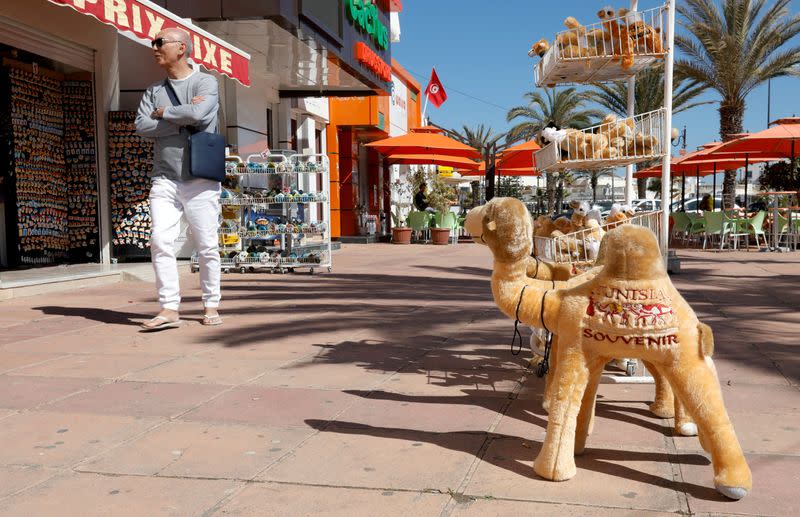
{"x": 330, "y": 269}
{"x": 242, "y": 270}
{"x": 283, "y": 271}
{"x": 630, "y": 368}
{"x": 195, "y": 269}
{"x": 311, "y": 271}
{"x": 226, "y": 270}
{"x": 252, "y": 269}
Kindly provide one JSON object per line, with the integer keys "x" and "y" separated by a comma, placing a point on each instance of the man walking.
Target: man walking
{"x": 174, "y": 192}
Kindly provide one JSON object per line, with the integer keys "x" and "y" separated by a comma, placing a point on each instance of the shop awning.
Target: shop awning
{"x": 144, "y": 19}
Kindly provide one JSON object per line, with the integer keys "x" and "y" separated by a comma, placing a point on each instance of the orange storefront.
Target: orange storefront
{"x": 359, "y": 177}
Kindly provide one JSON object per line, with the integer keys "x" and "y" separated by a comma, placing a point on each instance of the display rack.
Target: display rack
{"x": 615, "y": 49}
{"x": 275, "y": 214}
{"x": 622, "y": 142}
{"x": 610, "y": 50}
{"x": 130, "y": 160}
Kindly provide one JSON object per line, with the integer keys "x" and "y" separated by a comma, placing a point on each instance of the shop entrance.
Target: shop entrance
{"x": 48, "y": 162}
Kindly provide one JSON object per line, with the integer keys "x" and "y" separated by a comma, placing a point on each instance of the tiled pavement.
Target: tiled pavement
{"x": 384, "y": 388}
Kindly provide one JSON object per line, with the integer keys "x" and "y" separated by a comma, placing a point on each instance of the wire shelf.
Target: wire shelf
{"x": 610, "y": 50}
{"x": 612, "y": 144}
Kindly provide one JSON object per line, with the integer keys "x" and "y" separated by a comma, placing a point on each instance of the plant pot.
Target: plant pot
{"x": 401, "y": 235}
{"x": 440, "y": 236}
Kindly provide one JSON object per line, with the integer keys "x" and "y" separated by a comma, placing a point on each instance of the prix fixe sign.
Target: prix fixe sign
{"x": 145, "y": 19}
{"x": 364, "y": 15}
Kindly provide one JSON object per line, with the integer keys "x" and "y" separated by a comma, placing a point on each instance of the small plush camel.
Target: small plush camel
{"x": 665, "y": 404}
{"x": 629, "y": 309}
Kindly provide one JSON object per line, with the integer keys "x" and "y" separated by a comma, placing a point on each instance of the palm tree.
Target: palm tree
{"x": 564, "y": 108}
{"x": 479, "y": 137}
{"x": 649, "y": 92}
{"x": 734, "y": 48}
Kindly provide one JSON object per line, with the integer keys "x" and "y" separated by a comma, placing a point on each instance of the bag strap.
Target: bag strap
{"x": 173, "y": 97}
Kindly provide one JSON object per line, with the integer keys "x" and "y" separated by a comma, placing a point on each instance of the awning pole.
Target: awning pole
{"x": 666, "y": 169}
{"x": 631, "y": 113}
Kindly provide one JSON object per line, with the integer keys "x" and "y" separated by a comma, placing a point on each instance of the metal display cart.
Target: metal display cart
{"x": 615, "y": 49}
{"x": 275, "y": 214}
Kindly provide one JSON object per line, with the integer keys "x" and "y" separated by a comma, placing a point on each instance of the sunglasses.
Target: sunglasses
{"x": 160, "y": 42}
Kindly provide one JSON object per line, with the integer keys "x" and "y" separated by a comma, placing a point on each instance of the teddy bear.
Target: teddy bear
{"x": 647, "y": 39}
{"x": 617, "y": 41}
{"x": 618, "y": 214}
{"x": 572, "y": 42}
{"x": 642, "y": 145}
{"x": 630, "y": 307}
{"x": 580, "y": 209}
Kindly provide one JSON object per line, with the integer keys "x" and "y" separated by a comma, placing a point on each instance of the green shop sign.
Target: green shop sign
{"x": 364, "y": 15}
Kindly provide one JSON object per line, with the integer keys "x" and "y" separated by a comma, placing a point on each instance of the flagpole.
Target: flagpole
{"x": 427, "y": 98}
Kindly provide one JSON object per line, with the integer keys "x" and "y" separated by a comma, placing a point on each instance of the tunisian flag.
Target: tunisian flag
{"x": 435, "y": 91}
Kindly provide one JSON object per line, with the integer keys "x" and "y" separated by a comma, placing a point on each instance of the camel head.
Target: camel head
{"x": 632, "y": 253}
{"x": 505, "y": 226}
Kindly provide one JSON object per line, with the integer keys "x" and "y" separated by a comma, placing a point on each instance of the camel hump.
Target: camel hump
{"x": 632, "y": 253}
{"x": 706, "y": 339}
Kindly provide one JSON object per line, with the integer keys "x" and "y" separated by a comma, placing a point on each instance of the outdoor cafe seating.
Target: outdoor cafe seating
{"x": 730, "y": 229}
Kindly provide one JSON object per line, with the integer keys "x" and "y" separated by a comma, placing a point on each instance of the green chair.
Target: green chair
{"x": 736, "y": 227}
{"x": 420, "y": 223}
{"x": 755, "y": 227}
{"x": 697, "y": 225}
{"x": 680, "y": 225}
{"x": 715, "y": 226}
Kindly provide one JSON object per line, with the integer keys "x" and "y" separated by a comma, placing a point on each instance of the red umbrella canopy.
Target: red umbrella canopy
{"x": 432, "y": 159}
{"x": 503, "y": 171}
{"x": 424, "y": 140}
{"x": 778, "y": 140}
{"x": 519, "y": 156}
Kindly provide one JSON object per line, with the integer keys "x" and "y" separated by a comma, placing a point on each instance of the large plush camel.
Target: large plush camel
{"x": 665, "y": 404}
{"x": 629, "y": 309}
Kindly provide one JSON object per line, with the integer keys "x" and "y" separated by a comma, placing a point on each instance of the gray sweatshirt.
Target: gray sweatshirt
{"x": 171, "y": 153}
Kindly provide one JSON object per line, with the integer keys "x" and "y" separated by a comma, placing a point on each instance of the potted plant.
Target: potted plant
{"x": 401, "y": 190}
{"x": 440, "y": 196}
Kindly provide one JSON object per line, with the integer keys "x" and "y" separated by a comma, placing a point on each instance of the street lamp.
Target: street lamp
{"x": 679, "y": 137}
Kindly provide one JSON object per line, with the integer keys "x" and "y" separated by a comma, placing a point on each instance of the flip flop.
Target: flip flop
{"x": 164, "y": 324}
{"x": 212, "y": 321}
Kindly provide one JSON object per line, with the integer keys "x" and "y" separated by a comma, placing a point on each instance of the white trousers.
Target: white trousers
{"x": 198, "y": 200}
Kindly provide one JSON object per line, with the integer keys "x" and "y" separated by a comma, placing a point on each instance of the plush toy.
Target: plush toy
{"x": 580, "y": 209}
{"x": 566, "y": 275}
{"x": 630, "y": 308}
{"x": 572, "y": 42}
{"x": 562, "y": 225}
{"x": 539, "y": 48}
{"x": 618, "y": 214}
{"x": 642, "y": 145}
{"x": 646, "y": 38}
{"x": 616, "y": 38}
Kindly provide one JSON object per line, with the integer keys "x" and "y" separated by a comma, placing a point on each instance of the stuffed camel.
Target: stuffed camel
{"x": 665, "y": 404}
{"x": 630, "y": 308}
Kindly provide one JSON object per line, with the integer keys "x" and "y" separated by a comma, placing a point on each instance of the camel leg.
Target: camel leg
{"x": 556, "y": 460}
{"x": 548, "y": 379}
{"x": 586, "y": 414}
{"x": 695, "y": 383}
{"x": 684, "y": 425}
{"x": 663, "y": 405}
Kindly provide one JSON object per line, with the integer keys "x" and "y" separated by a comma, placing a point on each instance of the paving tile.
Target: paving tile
{"x": 62, "y": 439}
{"x": 607, "y": 477}
{"x": 495, "y": 508}
{"x": 439, "y": 414}
{"x": 15, "y": 360}
{"x": 28, "y": 392}
{"x": 206, "y": 369}
{"x": 293, "y": 500}
{"x": 19, "y": 477}
{"x": 372, "y": 456}
{"x": 304, "y": 374}
{"x": 92, "y": 366}
{"x": 758, "y": 398}
{"x": 139, "y": 399}
{"x": 286, "y": 407}
{"x": 775, "y": 482}
{"x": 86, "y": 495}
{"x": 195, "y": 449}
{"x": 489, "y": 383}
{"x": 759, "y": 433}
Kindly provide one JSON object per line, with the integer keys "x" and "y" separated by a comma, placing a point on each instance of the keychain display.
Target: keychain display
{"x": 38, "y": 167}
{"x": 81, "y": 170}
{"x": 130, "y": 160}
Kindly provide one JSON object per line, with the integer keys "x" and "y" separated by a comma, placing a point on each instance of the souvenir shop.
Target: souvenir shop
{"x": 49, "y": 182}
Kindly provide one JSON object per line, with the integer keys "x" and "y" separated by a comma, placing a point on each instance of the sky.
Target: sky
{"x": 479, "y": 49}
